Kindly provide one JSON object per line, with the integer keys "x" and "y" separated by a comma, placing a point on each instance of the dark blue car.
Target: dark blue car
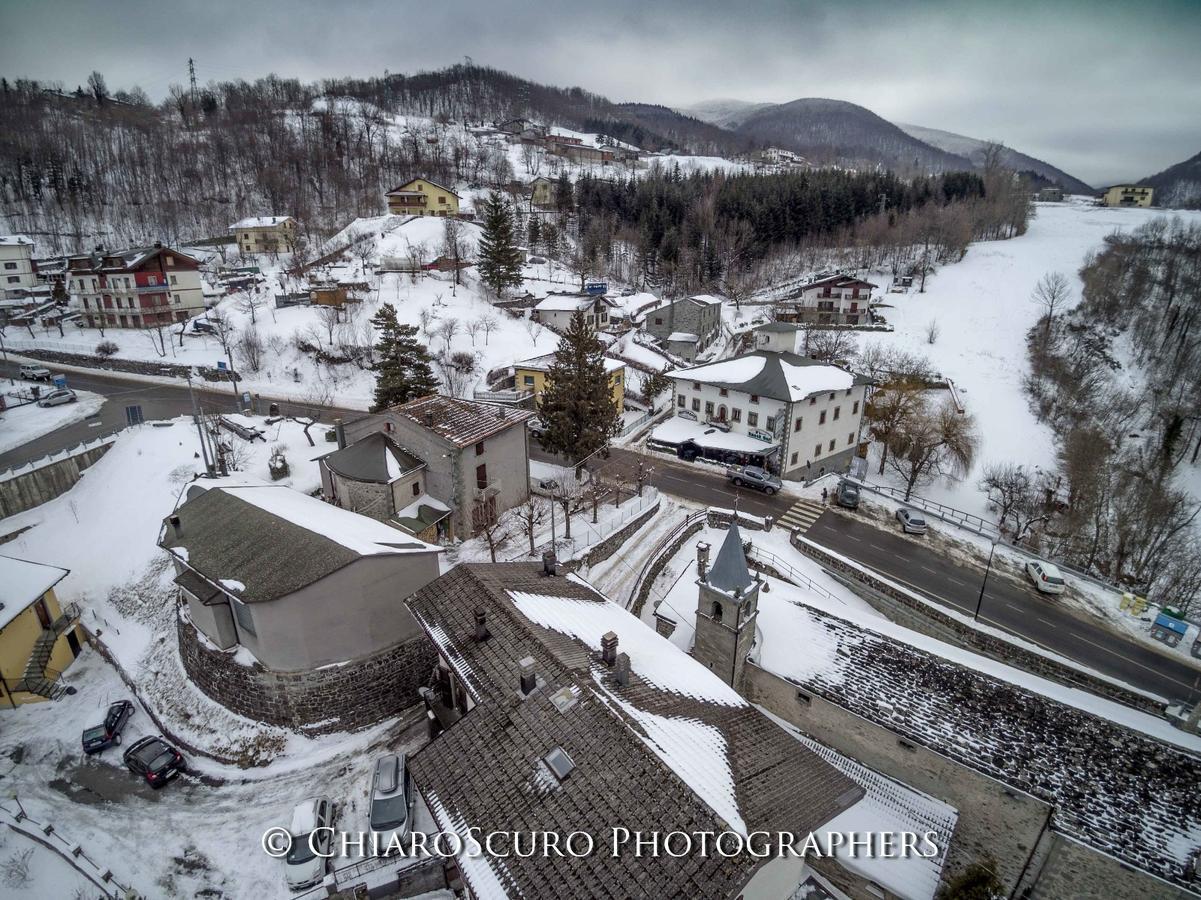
{"x": 101, "y": 737}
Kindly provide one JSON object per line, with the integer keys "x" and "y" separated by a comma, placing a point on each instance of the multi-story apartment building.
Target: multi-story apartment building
{"x": 17, "y": 271}
{"x": 422, "y": 197}
{"x": 1128, "y": 195}
{"x": 835, "y": 299}
{"x": 265, "y": 234}
{"x": 136, "y": 288}
{"x": 800, "y": 415}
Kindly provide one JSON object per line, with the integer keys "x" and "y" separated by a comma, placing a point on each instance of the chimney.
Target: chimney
{"x": 702, "y": 560}
{"x": 528, "y": 679}
{"x": 158, "y": 245}
{"x": 550, "y": 565}
{"x": 622, "y": 671}
{"x": 175, "y": 524}
{"x": 481, "y": 626}
{"x": 429, "y": 419}
{"x": 340, "y": 433}
{"x": 609, "y": 648}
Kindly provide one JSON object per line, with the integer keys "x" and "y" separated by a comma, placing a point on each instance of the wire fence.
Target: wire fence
{"x": 587, "y": 534}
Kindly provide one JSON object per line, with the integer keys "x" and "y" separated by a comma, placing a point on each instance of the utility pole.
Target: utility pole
{"x": 208, "y": 466}
{"x": 192, "y": 79}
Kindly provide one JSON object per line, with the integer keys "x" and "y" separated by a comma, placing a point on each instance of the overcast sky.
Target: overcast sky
{"x": 1107, "y": 91}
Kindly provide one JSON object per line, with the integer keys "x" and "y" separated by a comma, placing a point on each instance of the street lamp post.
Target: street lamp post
{"x": 984, "y": 583}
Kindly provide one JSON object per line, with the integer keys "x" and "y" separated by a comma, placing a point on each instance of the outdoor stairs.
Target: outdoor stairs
{"x": 801, "y": 515}
{"x": 38, "y": 678}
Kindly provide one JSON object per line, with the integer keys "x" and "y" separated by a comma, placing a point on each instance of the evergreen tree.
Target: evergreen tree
{"x": 499, "y": 260}
{"x": 577, "y": 405}
{"x": 401, "y": 365}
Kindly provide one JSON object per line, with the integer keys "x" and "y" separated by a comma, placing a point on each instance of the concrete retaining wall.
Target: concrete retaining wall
{"x": 335, "y": 698}
{"x": 37, "y": 486}
{"x": 904, "y": 608}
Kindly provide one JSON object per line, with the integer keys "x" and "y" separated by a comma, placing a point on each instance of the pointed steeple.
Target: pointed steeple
{"x": 730, "y": 572}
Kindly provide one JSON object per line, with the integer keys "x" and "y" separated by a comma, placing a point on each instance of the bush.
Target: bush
{"x": 105, "y": 349}
{"x": 277, "y": 465}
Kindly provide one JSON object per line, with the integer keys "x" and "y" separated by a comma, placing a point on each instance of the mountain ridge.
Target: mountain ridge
{"x": 1178, "y": 186}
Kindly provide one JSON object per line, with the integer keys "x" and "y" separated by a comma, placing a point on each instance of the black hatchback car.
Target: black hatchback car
{"x": 155, "y": 760}
{"x": 101, "y": 737}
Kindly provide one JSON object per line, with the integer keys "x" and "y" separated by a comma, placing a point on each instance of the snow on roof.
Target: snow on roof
{"x": 13, "y": 240}
{"x": 658, "y": 661}
{"x": 684, "y": 337}
{"x": 544, "y": 362}
{"x": 781, "y": 376}
{"x": 729, "y": 371}
{"x": 356, "y": 533}
{"x": 707, "y": 299}
{"x": 260, "y": 222}
{"x": 678, "y": 429}
{"x": 565, "y": 303}
{"x": 22, "y": 583}
{"x": 477, "y": 870}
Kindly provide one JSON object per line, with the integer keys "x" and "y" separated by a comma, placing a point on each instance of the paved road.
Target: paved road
{"x": 1008, "y": 603}
{"x": 157, "y": 402}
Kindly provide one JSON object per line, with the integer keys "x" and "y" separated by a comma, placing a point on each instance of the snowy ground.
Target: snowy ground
{"x": 19, "y": 425}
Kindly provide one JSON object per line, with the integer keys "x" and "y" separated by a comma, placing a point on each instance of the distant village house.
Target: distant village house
{"x": 422, "y": 197}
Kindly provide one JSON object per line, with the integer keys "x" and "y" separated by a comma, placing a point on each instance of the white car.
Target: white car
{"x": 391, "y": 801}
{"x": 59, "y": 397}
{"x": 1046, "y": 577}
{"x": 308, "y": 861}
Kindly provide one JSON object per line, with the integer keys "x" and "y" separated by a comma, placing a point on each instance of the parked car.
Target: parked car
{"x": 847, "y": 494}
{"x": 101, "y": 737}
{"x": 155, "y": 760}
{"x": 537, "y": 426}
{"x": 308, "y": 857}
{"x": 912, "y": 521}
{"x": 199, "y": 326}
{"x": 35, "y": 373}
{"x": 58, "y": 398}
{"x": 1046, "y": 577}
{"x": 754, "y": 476}
{"x": 391, "y": 799}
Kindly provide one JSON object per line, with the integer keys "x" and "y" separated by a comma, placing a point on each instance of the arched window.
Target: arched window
{"x": 721, "y": 413}
{"x": 716, "y": 611}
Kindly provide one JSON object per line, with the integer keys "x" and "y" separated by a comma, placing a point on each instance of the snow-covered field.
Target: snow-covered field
{"x": 21, "y": 424}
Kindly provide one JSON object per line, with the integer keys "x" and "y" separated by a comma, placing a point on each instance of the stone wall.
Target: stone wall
{"x": 994, "y": 820}
{"x": 114, "y": 364}
{"x": 37, "y": 486}
{"x": 658, "y": 565}
{"x": 720, "y": 518}
{"x": 613, "y": 542}
{"x": 335, "y": 698}
{"x": 907, "y": 609}
{"x": 1074, "y": 872}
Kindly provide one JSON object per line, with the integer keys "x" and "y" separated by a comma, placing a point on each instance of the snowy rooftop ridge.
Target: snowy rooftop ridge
{"x": 22, "y": 582}
{"x": 780, "y": 376}
{"x": 260, "y": 222}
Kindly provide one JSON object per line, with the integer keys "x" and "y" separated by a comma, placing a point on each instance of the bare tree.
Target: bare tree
{"x": 932, "y": 331}
{"x": 932, "y": 443}
{"x": 531, "y": 515}
{"x": 473, "y": 328}
{"x": 495, "y": 530}
{"x": 888, "y": 411}
{"x": 446, "y": 331}
{"x": 329, "y": 317}
{"x": 830, "y": 344}
{"x": 307, "y": 411}
{"x": 1016, "y": 494}
{"x": 250, "y": 302}
{"x": 488, "y": 324}
{"x": 1051, "y": 294}
{"x": 250, "y": 348}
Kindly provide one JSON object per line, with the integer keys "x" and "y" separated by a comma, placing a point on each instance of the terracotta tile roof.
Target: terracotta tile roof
{"x": 461, "y": 422}
{"x": 486, "y": 770}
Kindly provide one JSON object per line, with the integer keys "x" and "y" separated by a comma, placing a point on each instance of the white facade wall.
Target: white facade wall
{"x": 16, "y": 268}
{"x": 747, "y": 411}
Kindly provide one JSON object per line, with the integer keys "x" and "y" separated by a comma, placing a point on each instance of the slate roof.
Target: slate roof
{"x": 486, "y": 770}
{"x": 1111, "y": 788}
{"x": 460, "y": 422}
{"x": 364, "y": 460}
{"x": 729, "y": 572}
{"x": 226, "y": 537}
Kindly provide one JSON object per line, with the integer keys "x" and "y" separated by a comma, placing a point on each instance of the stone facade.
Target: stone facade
{"x": 336, "y": 698}
{"x": 1074, "y": 872}
{"x": 688, "y": 315}
{"x": 40, "y": 485}
{"x": 906, "y": 608}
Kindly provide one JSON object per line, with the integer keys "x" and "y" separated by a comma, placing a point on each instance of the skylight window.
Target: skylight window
{"x": 559, "y": 763}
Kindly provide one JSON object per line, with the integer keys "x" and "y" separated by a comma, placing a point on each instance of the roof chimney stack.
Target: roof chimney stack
{"x": 550, "y": 564}
{"x": 622, "y": 670}
{"x": 429, "y": 419}
{"x": 481, "y": 626}
{"x": 609, "y": 648}
{"x": 175, "y": 524}
{"x": 702, "y": 560}
{"x": 528, "y": 679}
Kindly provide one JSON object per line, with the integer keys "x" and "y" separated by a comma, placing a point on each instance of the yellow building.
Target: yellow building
{"x": 265, "y": 234}
{"x": 422, "y": 197}
{"x": 531, "y": 376}
{"x": 542, "y": 191}
{"x": 1128, "y": 195}
{"x": 38, "y": 637}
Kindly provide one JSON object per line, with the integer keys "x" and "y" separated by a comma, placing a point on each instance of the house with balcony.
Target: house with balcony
{"x": 476, "y": 457}
{"x": 796, "y": 416}
{"x": 143, "y": 287}
{"x": 1128, "y": 195}
{"x": 39, "y": 637}
{"x": 557, "y": 310}
{"x": 422, "y": 197}
{"x": 265, "y": 234}
{"x": 831, "y": 300}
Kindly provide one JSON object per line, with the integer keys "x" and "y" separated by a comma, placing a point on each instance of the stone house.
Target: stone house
{"x": 422, "y": 197}
{"x": 476, "y": 455}
{"x": 377, "y": 477}
{"x": 804, "y": 414}
{"x": 265, "y": 234}
{"x": 142, "y": 287}
{"x": 605, "y": 724}
{"x": 542, "y": 192}
{"x": 686, "y": 326}
{"x": 39, "y": 637}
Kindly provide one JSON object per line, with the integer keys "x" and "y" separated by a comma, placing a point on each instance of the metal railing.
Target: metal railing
{"x": 664, "y": 543}
{"x": 934, "y": 508}
{"x": 788, "y": 573}
{"x": 71, "y": 851}
{"x": 58, "y": 456}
